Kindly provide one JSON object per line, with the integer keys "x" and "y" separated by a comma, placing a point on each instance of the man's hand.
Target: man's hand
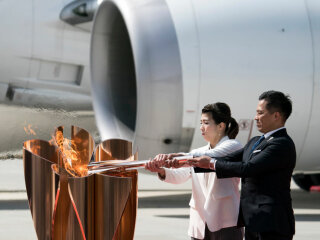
{"x": 202, "y": 162}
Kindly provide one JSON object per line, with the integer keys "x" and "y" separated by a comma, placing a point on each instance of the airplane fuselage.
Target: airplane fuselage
{"x": 154, "y": 65}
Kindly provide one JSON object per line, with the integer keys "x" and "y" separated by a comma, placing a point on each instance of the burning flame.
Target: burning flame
{"x": 29, "y": 130}
{"x": 71, "y": 156}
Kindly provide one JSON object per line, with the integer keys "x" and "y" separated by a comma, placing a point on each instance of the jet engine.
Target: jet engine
{"x": 156, "y": 63}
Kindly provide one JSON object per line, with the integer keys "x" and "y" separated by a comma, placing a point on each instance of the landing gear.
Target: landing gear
{"x": 305, "y": 181}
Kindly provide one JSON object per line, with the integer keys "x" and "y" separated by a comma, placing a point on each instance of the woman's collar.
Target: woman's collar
{"x": 221, "y": 141}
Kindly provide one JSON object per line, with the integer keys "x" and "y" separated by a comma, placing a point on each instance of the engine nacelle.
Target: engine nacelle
{"x": 137, "y": 76}
{"x": 156, "y": 63}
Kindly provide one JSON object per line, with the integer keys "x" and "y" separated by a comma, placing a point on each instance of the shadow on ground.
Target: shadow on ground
{"x": 20, "y": 204}
{"x": 307, "y": 217}
{"x": 306, "y": 200}
{"x": 173, "y": 216}
{"x": 167, "y": 201}
{"x": 300, "y": 200}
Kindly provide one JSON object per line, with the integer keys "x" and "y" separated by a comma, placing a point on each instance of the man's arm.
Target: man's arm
{"x": 277, "y": 155}
{"x": 232, "y": 157}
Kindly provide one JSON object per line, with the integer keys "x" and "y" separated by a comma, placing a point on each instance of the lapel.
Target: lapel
{"x": 265, "y": 142}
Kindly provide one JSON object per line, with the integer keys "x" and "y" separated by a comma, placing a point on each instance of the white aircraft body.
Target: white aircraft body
{"x": 155, "y": 63}
{"x": 44, "y": 72}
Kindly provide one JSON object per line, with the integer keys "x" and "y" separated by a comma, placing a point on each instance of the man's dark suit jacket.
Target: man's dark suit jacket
{"x": 265, "y": 203}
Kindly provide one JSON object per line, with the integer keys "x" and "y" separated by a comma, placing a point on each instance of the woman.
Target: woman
{"x": 214, "y": 204}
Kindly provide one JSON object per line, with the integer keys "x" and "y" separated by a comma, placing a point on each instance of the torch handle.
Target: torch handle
{"x": 132, "y": 165}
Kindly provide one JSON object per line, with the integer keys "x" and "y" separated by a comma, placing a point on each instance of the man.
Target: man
{"x": 265, "y": 166}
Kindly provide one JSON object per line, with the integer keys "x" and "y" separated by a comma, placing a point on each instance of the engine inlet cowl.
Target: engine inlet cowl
{"x": 136, "y": 75}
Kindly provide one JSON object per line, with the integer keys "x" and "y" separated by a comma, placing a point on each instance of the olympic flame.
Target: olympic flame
{"x": 71, "y": 155}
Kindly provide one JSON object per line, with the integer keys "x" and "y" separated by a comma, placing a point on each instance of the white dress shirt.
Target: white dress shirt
{"x": 268, "y": 134}
{"x": 214, "y": 201}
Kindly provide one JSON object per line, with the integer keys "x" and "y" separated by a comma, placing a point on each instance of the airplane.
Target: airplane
{"x": 45, "y": 76}
{"x": 154, "y": 64}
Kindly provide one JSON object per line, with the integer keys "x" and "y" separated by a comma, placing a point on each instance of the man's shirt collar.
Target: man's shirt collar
{"x": 268, "y": 134}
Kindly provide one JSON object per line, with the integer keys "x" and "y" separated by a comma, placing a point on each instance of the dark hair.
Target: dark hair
{"x": 277, "y": 102}
{"x": 220, "y": 112}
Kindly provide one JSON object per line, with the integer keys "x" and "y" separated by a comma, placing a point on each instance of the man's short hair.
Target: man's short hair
{"x": 277, "y": 102}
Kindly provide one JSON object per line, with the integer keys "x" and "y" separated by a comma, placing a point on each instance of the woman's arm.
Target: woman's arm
{"x": 223, "y": 149}
{"x": 177, "y": 176}
{"x": 174, "y": 176}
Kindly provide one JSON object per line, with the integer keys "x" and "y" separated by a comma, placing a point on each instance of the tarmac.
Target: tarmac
{"x": 163, "y": 211}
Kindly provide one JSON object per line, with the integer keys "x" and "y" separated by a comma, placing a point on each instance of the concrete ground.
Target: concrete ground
{"x": 162, "y": 212}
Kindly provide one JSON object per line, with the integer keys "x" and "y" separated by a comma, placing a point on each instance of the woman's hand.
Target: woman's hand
{"x": 178, "y": 162}
{"x": 202, "y": 162}
{"x": 162, "y": 159}
{"x": 153, "y": 166}
{"x": 173, "y": 163}
{"x": 173, "y": 155}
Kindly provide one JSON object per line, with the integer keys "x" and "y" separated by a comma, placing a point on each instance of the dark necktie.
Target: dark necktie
{"x": 257, "y": 143}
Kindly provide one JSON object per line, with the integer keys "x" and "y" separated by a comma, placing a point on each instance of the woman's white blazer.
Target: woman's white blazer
{"x": 216, "y": 204}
